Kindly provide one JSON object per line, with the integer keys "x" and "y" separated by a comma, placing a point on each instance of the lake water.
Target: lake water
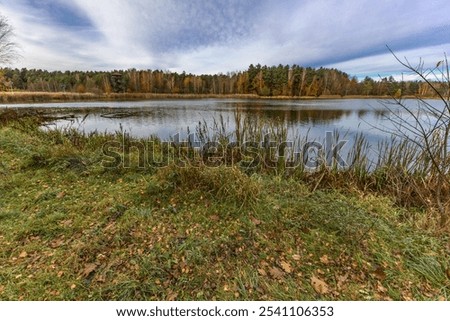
{"x": 166, "y": 118}
{"x": 312, "y": 119}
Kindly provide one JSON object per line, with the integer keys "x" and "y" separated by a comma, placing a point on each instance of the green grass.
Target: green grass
{"x": 72, "y": 230}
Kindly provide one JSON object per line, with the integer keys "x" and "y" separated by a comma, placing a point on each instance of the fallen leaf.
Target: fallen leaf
{"x": 73, "y": 286}
{"x": 321, "y": 272}
{"x": 324, "y": 259}
{"x": 276, "y": 273}
{"x": 23, "y": 254}
{"x": 296, "y": 257}
{"x": 61, "y": 195}
{"x": 67, "y": 222}
{"x": 172, "y": 296}
{"x": 286, "y": 267}
{"x": 319, "y": 285}
{"x": 428, "y": 295}
{"x": 88, "y": 269}
{"x": 406, "y": 297}
{"x": 255, "y": 221}
{"x": 381, "y": 288}
{"x": 262, "y": 272}
{"x": 341, "y": 280}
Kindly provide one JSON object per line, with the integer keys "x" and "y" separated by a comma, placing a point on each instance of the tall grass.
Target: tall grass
{"x": 394, "y": 167}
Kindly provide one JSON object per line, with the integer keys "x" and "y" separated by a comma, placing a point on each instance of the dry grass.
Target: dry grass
{"x": 39, "y": 97}
{"x": 8, "y": 97}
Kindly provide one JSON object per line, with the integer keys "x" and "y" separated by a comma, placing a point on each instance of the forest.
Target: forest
{"x": 290, "y": 81}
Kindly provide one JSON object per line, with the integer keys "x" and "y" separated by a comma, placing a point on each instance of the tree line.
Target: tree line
{"x": 281, "y": 80}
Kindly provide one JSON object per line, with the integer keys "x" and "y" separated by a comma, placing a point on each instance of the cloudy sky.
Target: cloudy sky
{"x": 210, "y": 36}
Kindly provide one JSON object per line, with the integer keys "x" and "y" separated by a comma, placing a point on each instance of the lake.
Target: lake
{"x": 312, "y": 119}
{"x": 165, "y": 118}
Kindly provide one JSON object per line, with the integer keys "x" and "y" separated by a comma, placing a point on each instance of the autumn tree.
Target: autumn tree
{"x": 260, "y": 80}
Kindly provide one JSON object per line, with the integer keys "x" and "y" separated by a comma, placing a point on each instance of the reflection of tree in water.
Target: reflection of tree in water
{"x": 312, "y": 116}
{"x": 292, "y": 116}
{"x": 380, "y": 113}
{"x": 158, "y": 116}
{"x": 363, "y": 112}
{"x": 175, "y": 118}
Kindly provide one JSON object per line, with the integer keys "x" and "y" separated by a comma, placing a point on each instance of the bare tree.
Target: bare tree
{"x": 426, "y": 128}
{"x": 8, "y": 48}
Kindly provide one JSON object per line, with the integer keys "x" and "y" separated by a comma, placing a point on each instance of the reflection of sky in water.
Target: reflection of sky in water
{"x": 165, "y": 118}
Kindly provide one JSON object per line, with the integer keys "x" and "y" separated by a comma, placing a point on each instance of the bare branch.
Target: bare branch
{"x": 428, "y": 128}
{"x": 8, "y": 48}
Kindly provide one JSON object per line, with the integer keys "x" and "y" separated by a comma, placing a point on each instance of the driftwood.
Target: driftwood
{"x": 119, "y": 115}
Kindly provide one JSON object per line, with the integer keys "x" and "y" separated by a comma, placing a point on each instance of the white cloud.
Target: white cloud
{"x": 386, "y": 64}
{"x": 205, "y": 36}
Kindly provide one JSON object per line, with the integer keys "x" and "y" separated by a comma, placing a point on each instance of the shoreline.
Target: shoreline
{"x": 50, "y": 97}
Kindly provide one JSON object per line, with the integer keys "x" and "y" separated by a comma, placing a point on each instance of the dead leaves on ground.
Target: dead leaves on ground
{"x": 286, "y": 267}
{"x": 262, "y": 272}
{"x": 276, "y": 273}
{"x": 320, "y": 286}
{"x": 23, "y": 255}
{"x": 296, "y": 257}
{"x": 89, "y": 269}
{"x": 255, "y": 221}
{"x": 325, "y": 260}
{"x": 340, "y": 281}
{"x": 172, "y": 296}
{"x": 334, "y": 278}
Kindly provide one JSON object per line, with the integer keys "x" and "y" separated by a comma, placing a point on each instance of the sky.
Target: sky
{"x": 212, "y": 36}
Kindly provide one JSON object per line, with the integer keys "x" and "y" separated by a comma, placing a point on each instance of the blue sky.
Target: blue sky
{"x": 201, "y": 36}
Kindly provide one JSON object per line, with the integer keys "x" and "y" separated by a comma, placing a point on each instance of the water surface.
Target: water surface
{"x": 166, "y": 118}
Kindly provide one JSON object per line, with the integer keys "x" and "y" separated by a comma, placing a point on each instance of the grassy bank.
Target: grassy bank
{"x": 42, "y": 97}
{"x": 71, "y": 229}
